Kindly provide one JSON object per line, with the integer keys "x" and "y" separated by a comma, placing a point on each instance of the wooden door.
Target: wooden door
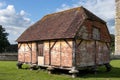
{"x": 40, "y": 54}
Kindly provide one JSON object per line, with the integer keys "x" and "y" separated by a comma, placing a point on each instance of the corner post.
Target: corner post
{"x": 73, "y": 70}
{"x": 74, "y": 53}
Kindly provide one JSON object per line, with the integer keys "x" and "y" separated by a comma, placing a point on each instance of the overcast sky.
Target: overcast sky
{"x": 17, "y": 15}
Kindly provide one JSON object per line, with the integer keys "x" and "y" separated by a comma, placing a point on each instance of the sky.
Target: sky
{"x": 17, "y": 15}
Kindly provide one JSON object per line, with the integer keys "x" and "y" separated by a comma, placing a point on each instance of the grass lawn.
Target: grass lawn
{"x": 8, "y": 71}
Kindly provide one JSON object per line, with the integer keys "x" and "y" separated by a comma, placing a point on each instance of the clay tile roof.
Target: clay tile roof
{"x": 58, "y": 25}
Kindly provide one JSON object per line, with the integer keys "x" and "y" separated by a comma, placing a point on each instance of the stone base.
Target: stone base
{"x": 50, "y": 69}
{"x": 19, "y": 65}
{"x": 74, "y": 72}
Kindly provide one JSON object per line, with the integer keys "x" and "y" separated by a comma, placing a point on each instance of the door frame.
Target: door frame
{"x": 40, "y": 53}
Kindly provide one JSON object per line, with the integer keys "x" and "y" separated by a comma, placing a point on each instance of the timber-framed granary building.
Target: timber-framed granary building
{"x": 71, "y": 39}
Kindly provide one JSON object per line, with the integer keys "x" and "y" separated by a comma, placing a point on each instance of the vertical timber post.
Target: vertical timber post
{"x": 19, "y": 64}
{"x": 31, "y": 53}
{"x": 73, "y": 53}
{"x": 95, "y": 61}
{"x": 49, "y": 54}
{"x": 74, "y": 71}
{"x": 24, "y": 52}
{"x": 50, "y": 68}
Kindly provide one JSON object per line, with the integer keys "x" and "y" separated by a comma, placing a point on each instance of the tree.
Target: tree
{"x": 112, "y": 42}
{"x": 3, "y": 39}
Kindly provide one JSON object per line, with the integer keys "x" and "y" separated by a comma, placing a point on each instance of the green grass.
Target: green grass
{"x": 8, "y": 71}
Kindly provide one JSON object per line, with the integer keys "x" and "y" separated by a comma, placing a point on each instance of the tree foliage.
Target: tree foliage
{"x": 112, "y": 42}
{"x": 3, "y": 39}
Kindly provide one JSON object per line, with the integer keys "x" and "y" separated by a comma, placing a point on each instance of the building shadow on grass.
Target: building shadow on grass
{"x": 101, "y": 73}
{"x": 114, "y": 73}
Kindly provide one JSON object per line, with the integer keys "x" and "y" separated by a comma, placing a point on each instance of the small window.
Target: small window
{"x": 96, "y": 33}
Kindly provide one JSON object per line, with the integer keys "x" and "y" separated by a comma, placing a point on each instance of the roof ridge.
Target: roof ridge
{"x": 48, "y": 15}
{"x": 87, "y": 12}
{"x": 78, "y": 8}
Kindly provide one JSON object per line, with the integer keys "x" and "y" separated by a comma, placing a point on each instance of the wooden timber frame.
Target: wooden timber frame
{"x": 29, "y": 58}
{"x": 51, "y": 46}
{"x": 29, "y": 45}
{"x": 73, "y": 47}
{"x": 73, "y": 69}
{"x": 77, "y": 39}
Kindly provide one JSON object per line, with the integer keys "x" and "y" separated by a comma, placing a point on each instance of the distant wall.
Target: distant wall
{"x": 113, "y": 57}
{"x": 117, "y": 28}
{"x": 8, "y": 56}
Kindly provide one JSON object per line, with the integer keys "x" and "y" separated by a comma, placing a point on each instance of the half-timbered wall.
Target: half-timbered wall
{"x": 27, "y": 52}
{"x": 34, "y": 53}
{"x": 85, "y": 53}
{"x": 20, "y": 52}
{"x": 58, "y": 53}
{"x": 89, "y": 28}
{"x": 103, "y": 52}
{"x": 90, "y": 53}
{"x": 91, "y": 48}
